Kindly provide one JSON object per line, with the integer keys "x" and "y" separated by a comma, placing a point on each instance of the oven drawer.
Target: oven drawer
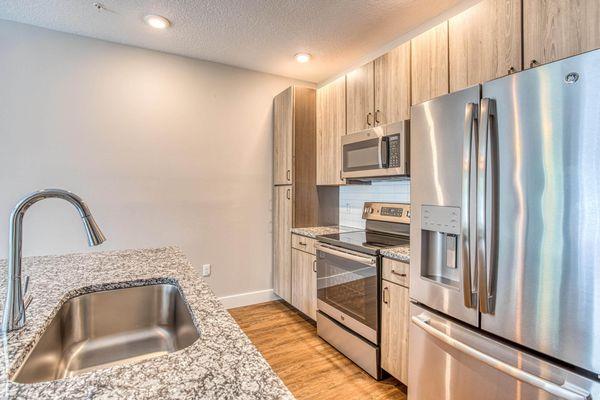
{"x": 363, "y": 353}
{"x": 396, "y": 271}
{"x": 303, "y": 243}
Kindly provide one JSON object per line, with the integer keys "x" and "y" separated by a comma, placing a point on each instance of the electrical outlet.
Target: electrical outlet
{"x": 206, "y": 270}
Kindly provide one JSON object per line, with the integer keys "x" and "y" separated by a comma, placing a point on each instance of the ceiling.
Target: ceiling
{"x": 261, "y": 35}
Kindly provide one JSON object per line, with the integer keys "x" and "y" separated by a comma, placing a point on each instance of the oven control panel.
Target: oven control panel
{"x": 390, "y": 212}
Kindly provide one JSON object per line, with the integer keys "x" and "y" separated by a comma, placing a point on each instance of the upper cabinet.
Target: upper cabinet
{"x": 379, "y": 92}
{"x": 429, "y": 64}
{"x": 392, "y": 85}
{"x": 283, "y": 136}
{"x": 331, "y": 126}
{"x": 360, "y": 98}
{"x": 555, "y": 29}
{"x": 485, "y": 43}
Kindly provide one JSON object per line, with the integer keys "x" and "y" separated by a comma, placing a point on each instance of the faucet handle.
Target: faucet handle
{"x": 28, "y": 299}
{"x": 27, "y": 302}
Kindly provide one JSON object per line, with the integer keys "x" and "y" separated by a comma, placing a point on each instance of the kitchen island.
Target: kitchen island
{"x": 222, "y": 363}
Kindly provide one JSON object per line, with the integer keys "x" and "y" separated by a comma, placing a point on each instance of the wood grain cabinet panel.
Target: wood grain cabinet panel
{"x": 331, "y": 126}
{"x": 283, "y": 136}
{"x": 394, "y": 330}
{"x": 484, "y": 43}
{"x": 392, "y": 85}
{"x": 304, "y": 283}
{"x": 282, "y": 241}
{"x": 360, "y": 98}
{"x": 429, "y": 64}
{"x": 555, "y": 29}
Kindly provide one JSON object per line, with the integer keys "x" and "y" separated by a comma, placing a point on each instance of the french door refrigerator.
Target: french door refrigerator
{"x": 505, "y": 238}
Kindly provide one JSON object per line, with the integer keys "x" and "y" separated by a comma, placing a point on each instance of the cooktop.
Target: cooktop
{"x": 364, "y": 241}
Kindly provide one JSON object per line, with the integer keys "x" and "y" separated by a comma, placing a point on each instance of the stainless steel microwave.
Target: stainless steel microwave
{"x": 379, "y": 152}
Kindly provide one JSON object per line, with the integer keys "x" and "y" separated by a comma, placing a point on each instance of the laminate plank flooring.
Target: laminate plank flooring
{"x": 308, "y": 365}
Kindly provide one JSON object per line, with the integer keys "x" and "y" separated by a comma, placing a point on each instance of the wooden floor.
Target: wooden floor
{"x": 309, "y": 367}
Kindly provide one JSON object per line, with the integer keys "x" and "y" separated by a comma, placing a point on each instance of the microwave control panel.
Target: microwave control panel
{"x": 394, "y": 151}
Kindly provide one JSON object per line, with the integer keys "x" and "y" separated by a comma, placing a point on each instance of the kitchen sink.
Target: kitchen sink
{"x": 102, "y": 329}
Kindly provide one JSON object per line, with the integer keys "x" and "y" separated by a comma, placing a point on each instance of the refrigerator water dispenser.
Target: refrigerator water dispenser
{"x": 440, "y": 229}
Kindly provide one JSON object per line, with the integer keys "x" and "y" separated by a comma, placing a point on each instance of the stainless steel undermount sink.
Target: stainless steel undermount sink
{"x": 112, "y": 327}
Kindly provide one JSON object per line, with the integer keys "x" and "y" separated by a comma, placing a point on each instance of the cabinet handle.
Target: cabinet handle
{"x": 288, "y": 194}
{"x": 288, "y": 175}
{"x": 302, "y": 244}
{"x": 533, "y": 63}
{"x": 341, "y": 178}
{"x": 315, "y": 265}
{"x": 384, "y": 297}
{"x": 369, "y": 122}
{"x": 511, "y": 70}
{"x": 377, "y": 120}
{"x": 399, "y": 273}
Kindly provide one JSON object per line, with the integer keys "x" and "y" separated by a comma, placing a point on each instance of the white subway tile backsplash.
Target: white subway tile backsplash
{"x": 352, "y": 198}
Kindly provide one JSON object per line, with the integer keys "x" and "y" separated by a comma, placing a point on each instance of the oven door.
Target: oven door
{"x": 347, "y": 289}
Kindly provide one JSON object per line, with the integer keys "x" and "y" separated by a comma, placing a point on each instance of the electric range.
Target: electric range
{"x": 349, "y": 282}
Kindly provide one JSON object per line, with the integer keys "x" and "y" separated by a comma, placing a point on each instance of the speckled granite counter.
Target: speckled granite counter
{"x": 221, "y": 364}
{"x": 400, "y": 253}
{"x": 315, "y": 231}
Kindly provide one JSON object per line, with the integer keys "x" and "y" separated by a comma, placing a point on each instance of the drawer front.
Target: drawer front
{"x": 303, "y": 243}
{"x": 396, "y": 271}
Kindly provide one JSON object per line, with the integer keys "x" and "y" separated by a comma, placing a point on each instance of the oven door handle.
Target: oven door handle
{"x": 372, "y": 261}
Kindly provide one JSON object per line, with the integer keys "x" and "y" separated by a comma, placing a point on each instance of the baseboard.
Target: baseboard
{"x": 249, "y": 298}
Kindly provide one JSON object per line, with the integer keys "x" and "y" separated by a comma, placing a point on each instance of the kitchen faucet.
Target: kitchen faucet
{"x": 16, "y": 304}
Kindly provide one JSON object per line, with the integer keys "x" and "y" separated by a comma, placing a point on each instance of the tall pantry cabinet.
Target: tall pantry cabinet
{"x": 296, "y": 201}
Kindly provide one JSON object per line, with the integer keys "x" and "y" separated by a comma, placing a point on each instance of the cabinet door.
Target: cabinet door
{"x": 304, "y": 283}
{"x": 360, "y": 97}
{"x": 392, "y": 85}
{"x": 331, "y": 126}
{"x": 283, "y": 133}
{"x": 429, "y": 64}
{"x": 555, "y": 29}
{"x": 282, "y": 241}
{"x": 394, "y": 330}
{"x": 485, "y": 43}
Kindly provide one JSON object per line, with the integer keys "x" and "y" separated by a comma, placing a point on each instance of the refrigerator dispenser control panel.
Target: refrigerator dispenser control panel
{"x": 441, "y": 219}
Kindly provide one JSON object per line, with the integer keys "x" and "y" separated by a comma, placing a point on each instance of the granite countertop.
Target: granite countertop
{"x": 400, "y": 253}
{"x": 313, "y": 232}
{"x": 221, "y": 364}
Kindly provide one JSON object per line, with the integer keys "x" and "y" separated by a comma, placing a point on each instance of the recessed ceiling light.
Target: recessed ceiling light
{"x": 156, "y": 21}
{"x": 302, "y": 57}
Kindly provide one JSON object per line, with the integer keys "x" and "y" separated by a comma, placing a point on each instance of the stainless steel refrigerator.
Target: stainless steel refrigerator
{"x": 505, "y": 238}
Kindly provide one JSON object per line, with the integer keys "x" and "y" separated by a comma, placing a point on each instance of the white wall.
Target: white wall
{"x": 353, "y": 197}
{"x": 165, "y": 150}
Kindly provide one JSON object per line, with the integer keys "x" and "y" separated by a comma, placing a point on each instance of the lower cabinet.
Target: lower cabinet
{"x": 282, "y": 241}
{"x": 394, "y": 330}
{"x": 304, "y": 282}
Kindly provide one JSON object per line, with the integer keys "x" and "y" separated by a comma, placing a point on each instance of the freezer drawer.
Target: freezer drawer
{"x": 448, "y": 361}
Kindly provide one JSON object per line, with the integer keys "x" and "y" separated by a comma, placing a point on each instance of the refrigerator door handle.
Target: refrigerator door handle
{"x": 485, "y": 125}
{"x": 424, "y": 322}
{"x": 469, "y": 128}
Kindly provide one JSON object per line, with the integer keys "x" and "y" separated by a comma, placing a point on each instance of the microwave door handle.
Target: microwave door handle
{"x": 424, "y": 322}
{"x": 384, "y": 151}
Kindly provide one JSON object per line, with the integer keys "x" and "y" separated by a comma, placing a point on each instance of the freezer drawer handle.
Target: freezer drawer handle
{"x": 423, "y": 322}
